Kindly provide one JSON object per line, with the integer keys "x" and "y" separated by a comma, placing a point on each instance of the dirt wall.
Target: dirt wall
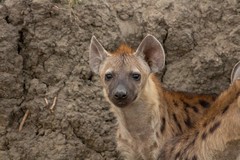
{"x": 44, "y": 54}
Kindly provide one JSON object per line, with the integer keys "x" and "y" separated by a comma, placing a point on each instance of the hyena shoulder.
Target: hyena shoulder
{"x": 186, "y": 109}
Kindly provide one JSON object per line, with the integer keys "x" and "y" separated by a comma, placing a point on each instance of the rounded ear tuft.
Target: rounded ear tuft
{"x": 97, "y": 54}
{"x": 152, "y": 51}
{"x": 235, "y": 72}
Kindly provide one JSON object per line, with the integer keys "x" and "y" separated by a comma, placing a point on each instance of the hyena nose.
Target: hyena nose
{"x": 120, "y": 95}
{"x": 120, "y": 92}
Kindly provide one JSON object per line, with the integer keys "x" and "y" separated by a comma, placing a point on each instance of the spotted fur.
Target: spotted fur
{"x": 219, "y": 126}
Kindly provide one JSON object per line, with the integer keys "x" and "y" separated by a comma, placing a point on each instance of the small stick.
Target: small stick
{"x": 23, "y": 120}
{"x": 54, "y": 103}
{"x": 46, "y": 101}
{"x": 56, "y": 6}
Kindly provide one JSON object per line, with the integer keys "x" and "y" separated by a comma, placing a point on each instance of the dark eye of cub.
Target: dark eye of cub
{"x": 136, "y": 76}
{"x": 108, "y": 76}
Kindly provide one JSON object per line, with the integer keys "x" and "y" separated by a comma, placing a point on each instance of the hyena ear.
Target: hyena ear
{"x": 235, "y": 72}
{"x": 97, "y": 54}
{"x": 153, "y": 53}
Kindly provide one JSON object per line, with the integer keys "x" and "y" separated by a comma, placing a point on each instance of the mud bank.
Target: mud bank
{"x": 44, "y": 54}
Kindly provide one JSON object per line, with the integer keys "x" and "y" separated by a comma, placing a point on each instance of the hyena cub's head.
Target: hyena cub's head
{"x": 124, "y": 73}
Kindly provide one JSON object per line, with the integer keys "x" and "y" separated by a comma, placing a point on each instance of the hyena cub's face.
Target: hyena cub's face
{"x": 123, "y": 76}
{"x": 125, "y": 73}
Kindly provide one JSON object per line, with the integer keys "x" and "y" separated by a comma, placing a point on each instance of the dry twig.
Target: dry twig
{"x": 54, "y": 103}
{"x": 23, "y": 120}
{"x": 46, "y": 101}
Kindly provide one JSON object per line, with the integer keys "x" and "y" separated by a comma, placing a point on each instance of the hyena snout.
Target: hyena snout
{"x": 120, "y": 93}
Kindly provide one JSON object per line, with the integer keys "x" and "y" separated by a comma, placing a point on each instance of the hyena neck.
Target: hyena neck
{"x": 142, "y": 120}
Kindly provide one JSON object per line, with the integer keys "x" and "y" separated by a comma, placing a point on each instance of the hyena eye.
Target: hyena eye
{"x": 136, "y": 76}
{"x": 108, "y": 76}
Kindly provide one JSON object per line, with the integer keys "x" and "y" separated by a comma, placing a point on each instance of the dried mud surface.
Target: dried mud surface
{"x": 44, "y": 54}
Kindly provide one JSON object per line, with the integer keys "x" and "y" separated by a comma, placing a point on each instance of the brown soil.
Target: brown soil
{"x": 44, "y": 54}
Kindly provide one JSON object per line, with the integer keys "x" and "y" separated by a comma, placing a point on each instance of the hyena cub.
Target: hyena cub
{"x": 148, "y": 115}
{"x": 220, "y": 125}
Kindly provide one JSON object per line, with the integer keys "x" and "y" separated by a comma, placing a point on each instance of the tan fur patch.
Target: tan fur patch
{"x": 123, "y": 49}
